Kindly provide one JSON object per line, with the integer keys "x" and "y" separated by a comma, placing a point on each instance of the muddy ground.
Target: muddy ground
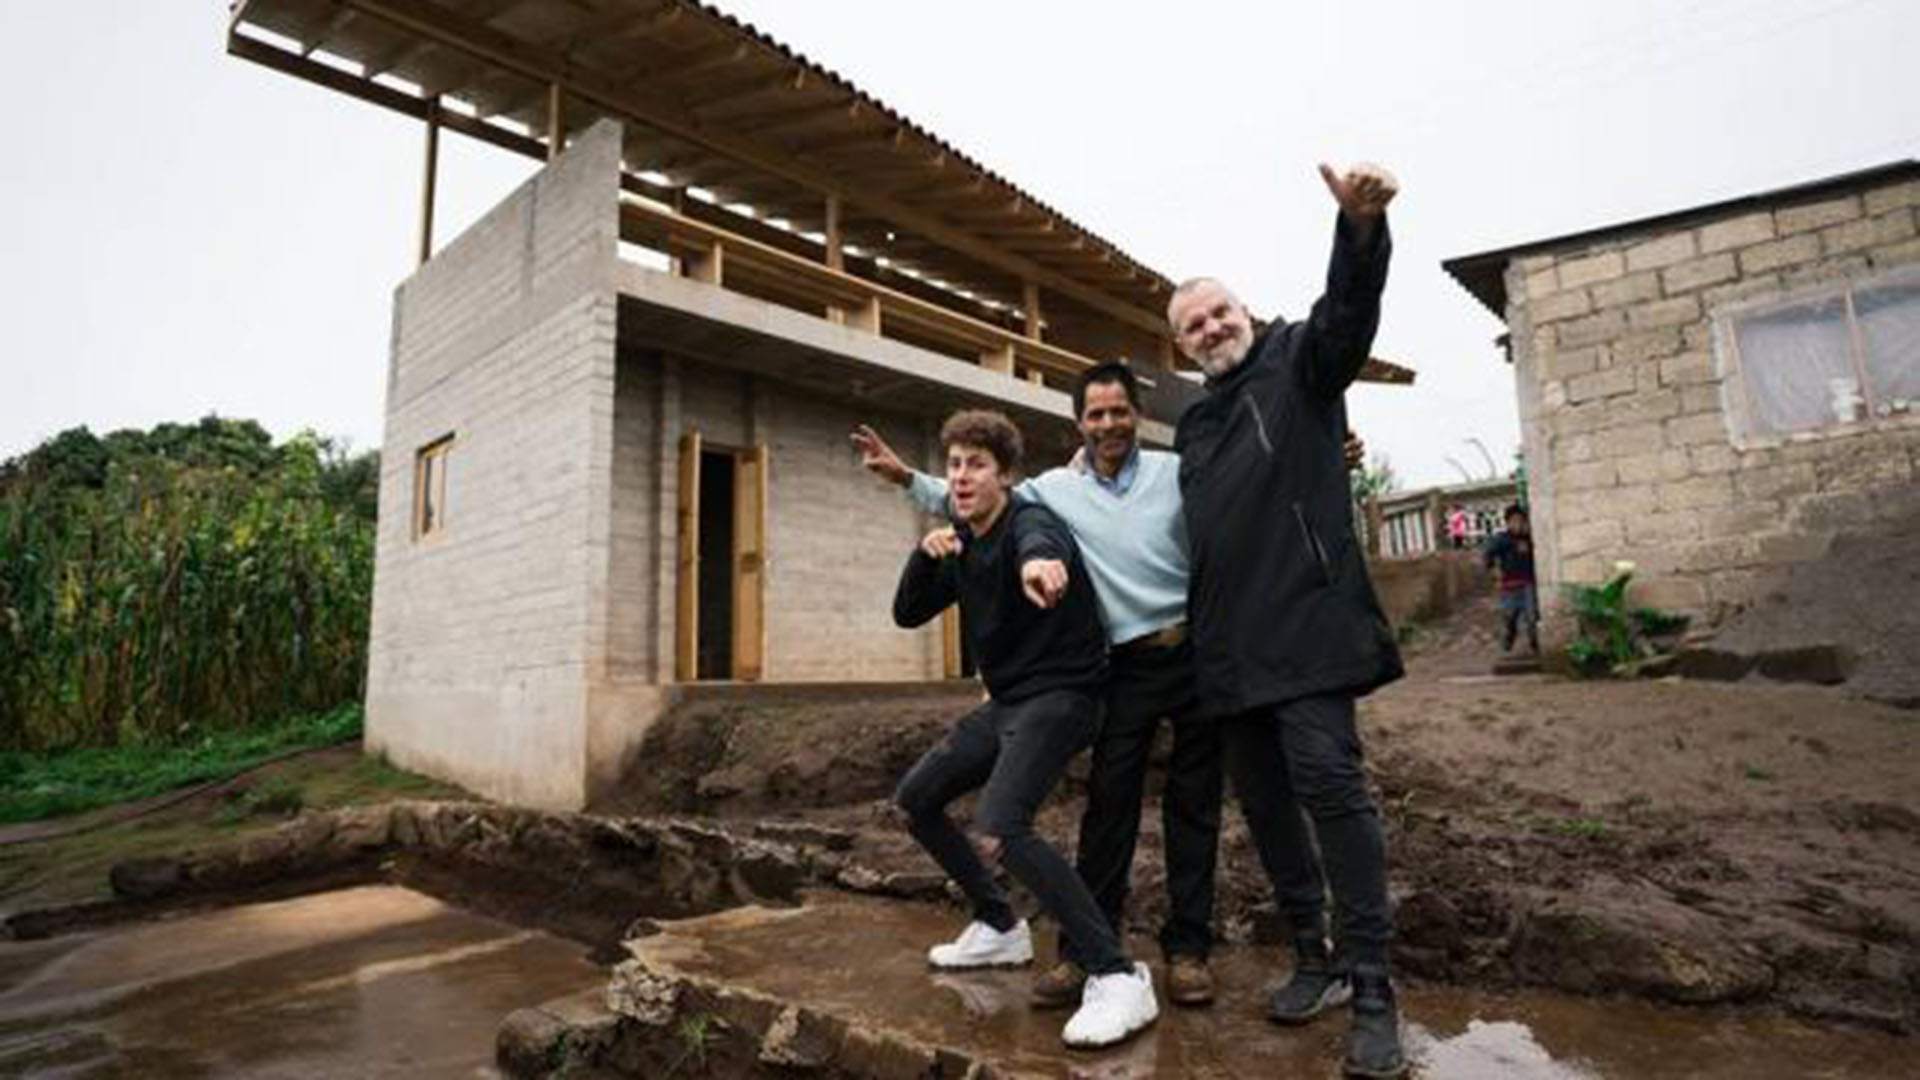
{"x": 1692, "y": 842}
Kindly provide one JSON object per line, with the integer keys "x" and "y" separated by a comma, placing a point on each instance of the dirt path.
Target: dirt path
{"x": 1689, "y": 842}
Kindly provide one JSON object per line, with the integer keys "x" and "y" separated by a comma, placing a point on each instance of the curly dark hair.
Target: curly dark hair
{"x": 986, "y": 430}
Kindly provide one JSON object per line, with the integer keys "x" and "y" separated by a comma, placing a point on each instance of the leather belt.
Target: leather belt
{"x": 1167, "y": 637}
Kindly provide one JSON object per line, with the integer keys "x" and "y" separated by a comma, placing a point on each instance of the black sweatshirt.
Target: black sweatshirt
{"x": 1021, "y": 649}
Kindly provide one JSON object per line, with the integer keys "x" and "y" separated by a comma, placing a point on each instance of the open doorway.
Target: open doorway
{"x": 715, "y": 567}
{"x": 721, "y": 588}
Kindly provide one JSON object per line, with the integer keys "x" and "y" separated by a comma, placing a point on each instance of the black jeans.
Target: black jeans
{"x": 1014, "y": 754}
{"x": 1305, "y": 755}
{"x": 1146, "y": 686}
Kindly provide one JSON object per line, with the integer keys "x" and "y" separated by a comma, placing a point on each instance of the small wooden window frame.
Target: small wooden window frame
{"x": 430, "y": 488}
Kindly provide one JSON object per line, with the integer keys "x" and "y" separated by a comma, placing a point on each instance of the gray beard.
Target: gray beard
{"x": 1219, "y": 363}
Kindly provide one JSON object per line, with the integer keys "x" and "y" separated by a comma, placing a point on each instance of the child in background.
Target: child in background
{"x": 1511, "y": 551}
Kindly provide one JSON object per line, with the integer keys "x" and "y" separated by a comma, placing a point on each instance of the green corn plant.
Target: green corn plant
{"x": 167, "y": 596}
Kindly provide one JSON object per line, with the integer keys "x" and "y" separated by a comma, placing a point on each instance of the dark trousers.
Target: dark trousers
{"x": 1304, "y": 755}
{"x": 1146, "y": 686}
{"x": 1013, "y": 754}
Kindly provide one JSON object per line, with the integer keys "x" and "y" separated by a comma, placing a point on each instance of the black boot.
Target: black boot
{"x": 1316, "y": 984}
{"x": 1373, "y": 1043}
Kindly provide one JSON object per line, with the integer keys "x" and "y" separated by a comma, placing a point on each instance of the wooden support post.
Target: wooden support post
{"x": 429, "y": 180}
{"x": 1036, "y": 376}
{"x": 836, "y": 255}
{"x": 867, "y": 318}
{"x": 998, "y": 359}
{"x": 1376, "y": 524}
{"x": 709, "y": 266}
{"x": 556, "y": 121}
{"x": 1032, "y": 298}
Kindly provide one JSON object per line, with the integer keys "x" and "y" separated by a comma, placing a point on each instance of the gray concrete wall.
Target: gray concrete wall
{"x": 486, "y": 637}
{"x": 1623, "y": 404}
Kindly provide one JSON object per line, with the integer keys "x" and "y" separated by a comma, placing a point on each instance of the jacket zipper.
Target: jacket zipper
{"x": 1259, "y": 424}
{"x": 1314, "y": 545}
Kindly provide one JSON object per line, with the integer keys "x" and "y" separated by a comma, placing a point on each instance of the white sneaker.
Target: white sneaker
{"x": 980, "y": 945}
{"x": 1113, "y": 1007}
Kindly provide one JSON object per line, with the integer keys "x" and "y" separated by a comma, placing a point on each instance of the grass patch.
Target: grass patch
{"x": 1755, "y": 772}
{"x": 35, "y": 786}
{"x": 1578, "y": 828}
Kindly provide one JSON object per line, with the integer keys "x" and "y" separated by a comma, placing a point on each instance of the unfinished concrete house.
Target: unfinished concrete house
{"x": 616, "y": 461}
{"x": 1719, "y": 393}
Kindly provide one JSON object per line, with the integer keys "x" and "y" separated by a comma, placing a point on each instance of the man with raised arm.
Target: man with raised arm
{"x": 1123, "y": 504}
{"x": 1029, "y": 613}
{"x": 1287, "y": 630}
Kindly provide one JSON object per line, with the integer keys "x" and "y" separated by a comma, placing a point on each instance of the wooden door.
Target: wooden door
{"x": 749, "y": 563}
{"x": 686, "y": 634}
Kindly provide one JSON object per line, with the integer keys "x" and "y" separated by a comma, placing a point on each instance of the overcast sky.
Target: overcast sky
{"x": 185, "y": 232}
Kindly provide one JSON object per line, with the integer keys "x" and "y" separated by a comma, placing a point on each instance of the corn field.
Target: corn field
{"x": 176, "y": 598}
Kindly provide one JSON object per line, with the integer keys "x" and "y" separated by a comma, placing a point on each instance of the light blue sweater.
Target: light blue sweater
{"x": 1133, "y": 536}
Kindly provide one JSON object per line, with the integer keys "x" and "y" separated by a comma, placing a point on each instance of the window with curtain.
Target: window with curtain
{"x": 1845, "y": 359}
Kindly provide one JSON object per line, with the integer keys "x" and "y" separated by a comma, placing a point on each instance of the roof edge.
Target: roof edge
{"x": 1484, "y": 274}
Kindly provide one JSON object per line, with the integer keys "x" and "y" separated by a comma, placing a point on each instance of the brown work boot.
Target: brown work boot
{"x": 1059, "y": 986}
{"x": 1189, "y": 980}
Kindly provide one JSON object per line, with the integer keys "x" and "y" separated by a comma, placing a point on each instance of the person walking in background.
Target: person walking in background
{"x": 1510, "y": 552}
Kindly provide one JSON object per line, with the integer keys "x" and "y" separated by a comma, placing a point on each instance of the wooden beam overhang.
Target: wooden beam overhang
{"x": 457, "y": 31}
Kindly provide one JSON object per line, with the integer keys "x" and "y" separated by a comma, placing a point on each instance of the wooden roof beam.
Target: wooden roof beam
{"x": 725, "y": 54}
{"x": 542, "y": 65}
{"x": 332, "y": 26}
{"x": 793, "y": 116}
{"x": 617, "y": 22}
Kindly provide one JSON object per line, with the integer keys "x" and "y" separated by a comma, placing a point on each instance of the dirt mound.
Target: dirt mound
{"x": 733, "y": 757}
{"x": 1678, "y": 841}
{"x": 1864, "y": 596}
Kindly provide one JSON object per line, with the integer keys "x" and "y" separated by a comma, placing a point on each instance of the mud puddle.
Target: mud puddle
{"x": 367, "y": 982}
{"x": 861, "y": 960}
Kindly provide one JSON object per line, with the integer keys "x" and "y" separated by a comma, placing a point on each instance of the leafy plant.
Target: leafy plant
{"x": 1610, "y": 635}
{"x": 696, "y": 1033}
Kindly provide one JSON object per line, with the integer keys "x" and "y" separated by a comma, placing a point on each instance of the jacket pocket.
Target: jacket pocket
{"x": 1312, "y": 540}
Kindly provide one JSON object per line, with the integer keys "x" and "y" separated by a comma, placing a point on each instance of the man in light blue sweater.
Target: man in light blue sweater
{"x": 1123, "y": 504}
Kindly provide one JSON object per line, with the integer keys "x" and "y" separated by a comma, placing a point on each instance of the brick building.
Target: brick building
{"x": 1716, "y": 394}
{"x": 616, "y": 458}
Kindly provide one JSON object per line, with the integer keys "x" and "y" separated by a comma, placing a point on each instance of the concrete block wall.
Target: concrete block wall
{"x": 1623, "y": 403}
{"x": 486, "y": 636}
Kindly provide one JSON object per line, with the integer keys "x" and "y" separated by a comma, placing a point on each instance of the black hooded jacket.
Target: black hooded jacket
{"x": 1279, "y": 599}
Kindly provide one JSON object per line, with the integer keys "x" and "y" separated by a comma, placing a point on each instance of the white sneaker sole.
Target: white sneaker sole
{"x": 984, "y": 965}
{"x": 1115, "y": 1041}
